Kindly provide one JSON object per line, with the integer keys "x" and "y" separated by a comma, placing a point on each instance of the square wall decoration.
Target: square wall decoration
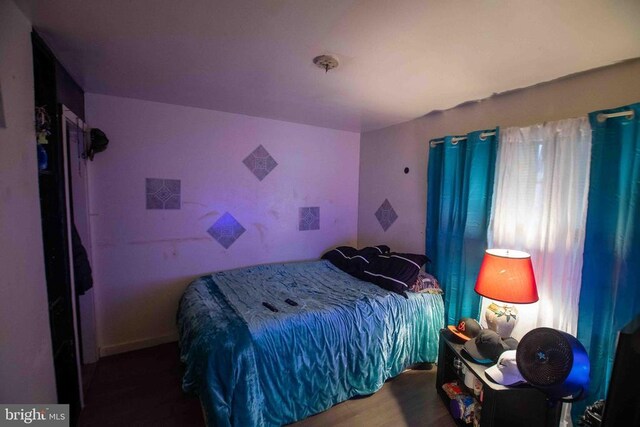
{"x": 309, "y": 218}
{"x": 226, "y": 230}
{"x": 260, "y": 162}
{"x": 163, "y": 193}
{"x": 386, "y": 215}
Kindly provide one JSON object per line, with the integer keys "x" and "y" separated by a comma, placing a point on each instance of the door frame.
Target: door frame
{"x": 67, "y": 114}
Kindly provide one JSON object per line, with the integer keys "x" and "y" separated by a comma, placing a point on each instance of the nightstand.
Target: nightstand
{"x": 501, "y": 406}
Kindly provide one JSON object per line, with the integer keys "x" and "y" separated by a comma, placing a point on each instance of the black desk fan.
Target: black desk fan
{"x": 554, "y": 362}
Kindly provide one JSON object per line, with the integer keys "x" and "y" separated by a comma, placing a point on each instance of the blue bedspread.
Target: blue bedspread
{"x": 254, "y": 367}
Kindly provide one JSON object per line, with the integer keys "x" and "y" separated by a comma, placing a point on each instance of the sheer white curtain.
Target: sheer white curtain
{"x": 540, "y": 206}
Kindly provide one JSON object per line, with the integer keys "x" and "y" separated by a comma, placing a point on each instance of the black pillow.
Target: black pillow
{"x": 396, "y": 272}
{"x": 374, "y": 251}
{"x": 347, "y": 259}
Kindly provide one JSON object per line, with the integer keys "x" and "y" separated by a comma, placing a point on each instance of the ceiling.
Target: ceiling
{"x": 399, "y": 59}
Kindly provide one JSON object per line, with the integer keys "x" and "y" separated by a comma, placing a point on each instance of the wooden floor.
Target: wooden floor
{"x": 410, "y": 399}
{"x": 142, "y": 388}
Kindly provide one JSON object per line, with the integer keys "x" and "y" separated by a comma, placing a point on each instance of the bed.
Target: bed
{"x": 252, "y": 366}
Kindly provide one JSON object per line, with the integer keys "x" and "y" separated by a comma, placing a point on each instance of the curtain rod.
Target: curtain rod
{"x": 457, "y": 139}
{"x": 602, "y": 116}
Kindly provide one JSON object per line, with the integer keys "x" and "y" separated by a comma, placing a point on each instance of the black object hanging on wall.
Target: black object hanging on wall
{"x": 98, "y": 142}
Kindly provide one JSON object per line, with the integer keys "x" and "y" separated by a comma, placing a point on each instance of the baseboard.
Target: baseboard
{"x": 110, "y": 350}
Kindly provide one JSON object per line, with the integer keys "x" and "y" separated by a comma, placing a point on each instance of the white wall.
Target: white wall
{"x": 143, "y": 259}
{"x": 385, "y": 153}
{"x": 26, "y": 363}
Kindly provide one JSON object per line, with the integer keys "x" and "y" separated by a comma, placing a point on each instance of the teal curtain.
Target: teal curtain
{"x": 610, "y": 292}
{"x": 460, "y": 187}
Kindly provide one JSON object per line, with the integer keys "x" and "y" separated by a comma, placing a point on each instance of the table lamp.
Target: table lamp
{"x": 506, "y": 276}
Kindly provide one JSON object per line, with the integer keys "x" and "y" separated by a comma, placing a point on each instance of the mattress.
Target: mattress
{"x": 252, "y": 366}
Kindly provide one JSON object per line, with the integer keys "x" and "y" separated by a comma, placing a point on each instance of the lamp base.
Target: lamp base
{"x": 501, "y": 318}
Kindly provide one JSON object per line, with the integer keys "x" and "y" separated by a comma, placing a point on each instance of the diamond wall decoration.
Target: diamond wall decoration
{"x": 309, "y": 218}
{"x": 260, "y": 162}
{"x": 226, "y": 230}
{"x": 163, "y": 193}
{"x": 386, "y": 215}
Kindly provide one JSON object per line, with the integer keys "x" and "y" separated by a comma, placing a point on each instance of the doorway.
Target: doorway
{"x": 64, "y": 201}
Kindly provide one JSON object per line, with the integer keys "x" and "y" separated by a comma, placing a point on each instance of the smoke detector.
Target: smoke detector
{"x": 326, "y": 62}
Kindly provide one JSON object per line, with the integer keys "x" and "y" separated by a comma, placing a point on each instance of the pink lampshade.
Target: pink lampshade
{"x": 507, "y": 276}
